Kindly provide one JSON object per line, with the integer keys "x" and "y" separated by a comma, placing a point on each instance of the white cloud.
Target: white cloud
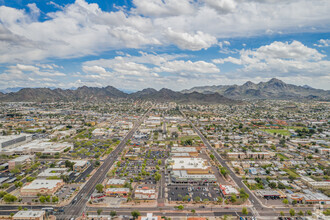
{"x": 160, "y": 8}
{"x": 281, "y": 59}
{"x": 222, "y": 6}
{"x": 94, "y": 69}
{"x": 188, "y": 41}
{"x": 323, "y": 43}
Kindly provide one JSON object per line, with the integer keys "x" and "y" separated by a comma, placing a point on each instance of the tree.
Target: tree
{"x": 300, "y": 213}
{"x": 180, "y": 207}
{"x": 219, "y": 199}
{"x": 9, "y": 198}
{"x": 243, "y": 194}
{"x": 42, "y": 199}
{"x": 272, "y": 185}
{"x": 185, "y": 198}
{"x": 212, "y": 156}
{"x": 193, "y": 211}
{"x": 157, "y": 176}
{"x": 244, "y": 211}
{"x": 99, "y": 211}
{"x": 285, "y": 201}
{"x": 113, "y": 213}
{"x": 282, "y": 213}
{"x": 54, "y": 199}
{"x": 309, "y": 212}
{"x": 224, "y": 171}
{"x": 280, "y": 185}
{"x": 2, "y": 194}
{"x": 233, "y": 198}
{"x": 135, "y": 214}
{"x": 99, "y": 188}
{"x": 197, "y": 199}
{"x": 292, "y": 212}
{"x": 159, "y": 162}
{"x": 20, "y": 208}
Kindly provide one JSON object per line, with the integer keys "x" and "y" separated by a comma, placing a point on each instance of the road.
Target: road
{"x": 78, "y": 204}
{"x": 237, "y": 180}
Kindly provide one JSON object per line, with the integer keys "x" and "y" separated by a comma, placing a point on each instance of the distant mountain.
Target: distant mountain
{"x": 94, "y": 94}
{"x": 273, "y": 89}
{"x": 8, "y": 90}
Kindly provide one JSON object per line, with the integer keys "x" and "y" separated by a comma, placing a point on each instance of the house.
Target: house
{"x": 227, "y": 191}
{"x": 80, "y": 165}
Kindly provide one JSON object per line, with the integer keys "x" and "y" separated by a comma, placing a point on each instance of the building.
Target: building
{"x": 227, "y": 191}
{"x": 149, "y": 216}
{"x": 315, "y": 184}
{"x": 270, "y": 194}
{"x": 181, "y": 176}
{"x": 21, "y": 161}
{"x": 117, "y": 192}
{"x": 117, "y": 183}
{"x": 30, "y": 215}
{"x": 80, "y": 165}
{"x": 145, "y": 193}
{"x": 192, "y": 151}
{"x": 54, "y": 172}
{"x": 191, "y": 165}
{"x": 13, "y": 140}
{"x": 41, "y": 187}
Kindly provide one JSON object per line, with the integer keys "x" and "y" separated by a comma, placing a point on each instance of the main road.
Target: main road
{"x": 78, "y": 204}
{"x": 256, "y": 203}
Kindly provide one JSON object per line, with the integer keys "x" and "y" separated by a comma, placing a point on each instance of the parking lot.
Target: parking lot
{"x": 177, "y": 193}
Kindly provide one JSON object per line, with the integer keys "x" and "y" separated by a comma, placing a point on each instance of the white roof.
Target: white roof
{"x": 79, "y": 162}
{"x": 39, "y": 184}
{"x": 183, "y": 163}
{"x": 29, "y": 214}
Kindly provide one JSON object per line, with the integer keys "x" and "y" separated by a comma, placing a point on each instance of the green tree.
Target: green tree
{"x": 300, "y": 213}
{"x": 233, "y": 198}
{"x": 285, "y": 201}
{"x": 99, "y": 211}
{"x": 2, "y": 194}
{"x": 42, "y": 199}
{"x": 20, "y": 208}
{"x": 180, "y": 207}
{"x": 244, "y": 211}
{"x": 135, "y": 214}
{"x": 99, "y": 188}
{"x": 212, "y": 156}
{"x": 54, "y": 199}
{"x": 159, "y": 162}
{"x": 309, "y": 212}
{"x": 243, "y": 194}
{"x": 282, "y": 213}
{"x": 193, "y": 211}
{"x": 9, "y": 198}
{"x": 113, "y": 213}
{"x": 197, "y": 199}
{"x": 292, "y": 212}
{"x": 272, "y": 185}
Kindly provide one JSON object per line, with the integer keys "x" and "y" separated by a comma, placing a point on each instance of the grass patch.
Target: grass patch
{"x": 192, "y": 137}
{"x": 277, "y": 131}
{"x": 281, "y": 156}
{"x": 291, "y": 172}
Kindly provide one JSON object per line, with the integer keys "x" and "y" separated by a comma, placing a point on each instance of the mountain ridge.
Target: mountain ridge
{"x": 272, "y": 89}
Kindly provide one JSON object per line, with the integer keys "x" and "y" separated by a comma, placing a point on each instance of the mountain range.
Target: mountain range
{"x": 222, "y": 94}
{"x": 273, "y": 89}
{"x": 95, "y": 94}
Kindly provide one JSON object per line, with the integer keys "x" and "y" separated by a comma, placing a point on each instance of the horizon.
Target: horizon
{"x": 138, "y": 44}
{"x": 128, "y": 91}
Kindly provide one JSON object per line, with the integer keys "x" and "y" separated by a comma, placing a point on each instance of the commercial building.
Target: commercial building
{"x": 192, "y": 151}
{"x": 315, "y": 184}
{"x": 117, "y": 192}
{"x": 13, "y": 140}
{"x": 181, "y": 176}
{"x": 118, "y": 183}
{"x": 80, "y": 165}
{"x": 41, "y": 187}
{"x": 228, "y": 190}
{"x": 191, "y": 165}
{"x": 29, "y": 215}
{"x": 150, "y": 216}
{"x": 145, "y": 193}
{"x": 21, "y": 161}
{"x": 54, "y": 172}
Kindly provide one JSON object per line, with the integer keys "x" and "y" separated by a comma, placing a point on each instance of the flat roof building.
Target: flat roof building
{"x": 42, "y": 187}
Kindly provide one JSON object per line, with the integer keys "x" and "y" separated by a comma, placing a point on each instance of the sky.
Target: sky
{"x": 175, "y": 44}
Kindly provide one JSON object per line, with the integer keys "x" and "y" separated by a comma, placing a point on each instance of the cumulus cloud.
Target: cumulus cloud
{"x": 323, "y": 43}
{"x": 188, "y": 41}
{"x": 282, "y": 59}
{"x": 222, "y": 6}
{"x": 82, "y": 28}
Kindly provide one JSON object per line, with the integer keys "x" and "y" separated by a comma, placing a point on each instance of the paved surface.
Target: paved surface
{"x": 78, "y": 204}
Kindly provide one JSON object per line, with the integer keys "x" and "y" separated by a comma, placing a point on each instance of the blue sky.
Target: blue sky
{"x": 135, "y": 44}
